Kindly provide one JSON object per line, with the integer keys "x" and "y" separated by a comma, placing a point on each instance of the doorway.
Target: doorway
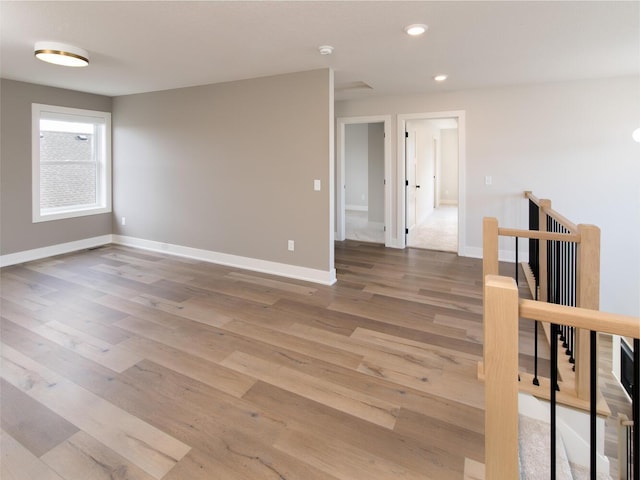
{"x": 364, "y": 182}
{"x": 432, "y": 158}
{"x": 363, "y": 165}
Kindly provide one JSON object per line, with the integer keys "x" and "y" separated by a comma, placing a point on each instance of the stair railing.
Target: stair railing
{"x": 625, "y": 447}
{"x": 502, "y": 310}
{"x": 563, "y": 268}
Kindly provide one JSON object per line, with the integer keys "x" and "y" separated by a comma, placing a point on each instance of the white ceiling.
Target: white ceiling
{"x": 147, "y": 46}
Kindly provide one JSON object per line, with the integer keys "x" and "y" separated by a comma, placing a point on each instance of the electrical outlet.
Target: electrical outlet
{"x": 124, "y": 221}
{"x": 291, "y": 245}
{"x": 316, "y": 185}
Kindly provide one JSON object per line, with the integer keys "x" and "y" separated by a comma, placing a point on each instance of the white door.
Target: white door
{"x": 410, "y": 183}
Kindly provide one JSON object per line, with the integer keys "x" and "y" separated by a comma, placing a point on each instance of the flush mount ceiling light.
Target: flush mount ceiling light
{"x": 61, "y": 54}
{"x": 440, "y": 78}
{"x": 325, "y": 50}
{"x": 636, "y": 135}
{"x": 415, "y": 29}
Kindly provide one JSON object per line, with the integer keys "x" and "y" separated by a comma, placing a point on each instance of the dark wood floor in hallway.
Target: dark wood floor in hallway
{"x": 127, "y": 364}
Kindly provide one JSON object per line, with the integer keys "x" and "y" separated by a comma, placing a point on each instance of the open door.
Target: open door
{"x": 411, "y": 188}
{"x": 431, "y": 219}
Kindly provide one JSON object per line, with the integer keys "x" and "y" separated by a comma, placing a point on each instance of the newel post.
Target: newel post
{"x": 489, "y": 251}
{"x": 489, "y": 246}
{"x": 587, "y": 296}
{"x": 501, "y": 377}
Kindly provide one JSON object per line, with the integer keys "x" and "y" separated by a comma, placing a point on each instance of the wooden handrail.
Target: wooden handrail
{"x": 539, "y": 234}
{"x": 572, "y": 227}
{"x": 502, "y": 309}
{"x": 585, "y": 318}
{"x": 528, "y": 194}
{"x": 545, "y": 206}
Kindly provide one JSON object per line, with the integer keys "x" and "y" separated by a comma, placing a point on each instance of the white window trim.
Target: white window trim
{"x": 105, "y": 117}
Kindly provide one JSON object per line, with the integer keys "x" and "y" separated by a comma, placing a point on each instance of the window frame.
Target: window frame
{"x": 103, "y": 180}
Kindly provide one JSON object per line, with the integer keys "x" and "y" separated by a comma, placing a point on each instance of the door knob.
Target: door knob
{"x": 417, "y": 186}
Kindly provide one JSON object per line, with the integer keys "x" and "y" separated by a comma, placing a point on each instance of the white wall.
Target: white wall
{"x": 426, "y": 132}
{"x": 376, "y": 172}
{"x": 570, "y": 142}
{"x": 356, "y": 147}
{"x": 448, "y": 193}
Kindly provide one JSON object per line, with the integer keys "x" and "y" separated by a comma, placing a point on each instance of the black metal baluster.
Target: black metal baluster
{"x": 517, "y": 261}
{"x": 536, "y": 382}
{"x": 635, "y": 407}
{"x": 629, "y": 453}
{"x": 534, "y": 221}
{"x": 552, "y": 397}
{"x": 593, "y": 368}
{"x": 572, "y": 342}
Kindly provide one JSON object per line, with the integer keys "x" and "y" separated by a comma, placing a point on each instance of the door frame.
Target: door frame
{"x": 340, "y": 230}
{"x": 460, "y": 115}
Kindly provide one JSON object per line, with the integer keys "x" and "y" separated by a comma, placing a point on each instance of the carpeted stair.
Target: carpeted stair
{"x": 534, "y": 444}
{"x": 535, "y": 461}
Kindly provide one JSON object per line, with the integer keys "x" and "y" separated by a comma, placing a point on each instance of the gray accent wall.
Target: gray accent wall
{"x": 18, "y": 233}
{"x": 229, "y": 167}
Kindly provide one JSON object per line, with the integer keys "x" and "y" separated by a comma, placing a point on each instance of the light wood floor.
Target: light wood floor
{"x": 124, "y": 364}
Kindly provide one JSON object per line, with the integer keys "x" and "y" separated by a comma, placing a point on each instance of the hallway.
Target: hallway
{"x": 439, "y": 231}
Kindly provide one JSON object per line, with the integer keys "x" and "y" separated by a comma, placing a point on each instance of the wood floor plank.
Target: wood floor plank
{"x": 199, "y": 465}
{"x": 30, "y": 423}
{"x": 291, "y": 342}
{"x": 441, "y": 434}
{"x": 305, "y": 415}
{"x": 205, "y": 347}
{"x": 383, "y": 313}
{"x": 190, "y": 310}
{"x": 342, "y": 460}
{"x": 212, "y": 374}
{"x": 14, "y": 284}
{"x": 271, "y": 283}
{"x": 341, "y": 398}
{"x": 19, "y": 314}
{"x": 83, "y": 457}
{"x": 147, "y": 447}
{"x": 95, "y": 283}
{"x": 18, "y": 463}
{"x": 129, "y": 272}
{"x": 408, "y": 346}
{"x": 473, "y": 470}
{"x": 111, "y": 356}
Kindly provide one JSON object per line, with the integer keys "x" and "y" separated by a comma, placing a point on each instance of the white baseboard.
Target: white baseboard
{"x": 503, "y": 255}
{"x": 254, "y": 264}
{"x": 357, "y": 208}
{"x": 59, "y": 249}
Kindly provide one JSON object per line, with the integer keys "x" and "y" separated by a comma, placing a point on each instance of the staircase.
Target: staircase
{"x": 572, "y": 461}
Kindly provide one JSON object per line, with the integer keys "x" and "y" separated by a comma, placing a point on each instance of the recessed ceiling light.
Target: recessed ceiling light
{"x": 416, "y": 29}
{"x": 325, "y": 50}
{"x": 440, "y": 78}
{"x": 61, "y": 54}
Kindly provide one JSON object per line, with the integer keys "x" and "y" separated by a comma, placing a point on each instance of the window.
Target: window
{"x": 71, "y": 169}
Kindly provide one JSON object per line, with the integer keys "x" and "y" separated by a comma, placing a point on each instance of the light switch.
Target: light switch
{"x": 316, "y": 185}
{"x": 488, "y": 180}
